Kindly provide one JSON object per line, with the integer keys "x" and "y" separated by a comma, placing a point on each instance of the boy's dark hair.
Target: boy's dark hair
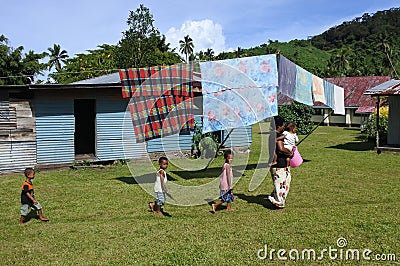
{"x": 162, "y": 158}
{"x": 226, "y": 153}
{"x": 28, "y": 171}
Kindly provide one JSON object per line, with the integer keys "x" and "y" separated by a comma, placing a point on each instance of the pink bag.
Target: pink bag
{"x": 297, "y": 160}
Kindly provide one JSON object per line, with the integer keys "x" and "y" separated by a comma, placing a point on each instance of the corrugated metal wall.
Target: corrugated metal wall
{"x": 55, "y": 125}
{"x": 17, "y": 135}
{"x": 115, "y": 135}
{"x": 239, "y": 137}
{"x": 15, "y": 156}
{"x": 114, "y": 131}
{"x": 54, "y": 129}
{"x": 393, "y": 136}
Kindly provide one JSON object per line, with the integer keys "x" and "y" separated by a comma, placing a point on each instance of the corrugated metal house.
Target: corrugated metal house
{"x": 358, "y": 106}
{"x": 391, "y": 90}
{"x": 86, "y": 120}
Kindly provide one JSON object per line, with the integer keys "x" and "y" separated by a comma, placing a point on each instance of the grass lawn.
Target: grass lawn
{"x": 100, "y": 216}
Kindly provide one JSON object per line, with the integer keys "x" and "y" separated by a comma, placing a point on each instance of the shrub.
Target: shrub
{"x": 300, "y": 114}
{"x": 369, "y": 127}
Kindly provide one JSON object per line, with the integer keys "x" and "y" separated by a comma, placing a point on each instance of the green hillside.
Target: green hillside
{"x": 366, "y": 46}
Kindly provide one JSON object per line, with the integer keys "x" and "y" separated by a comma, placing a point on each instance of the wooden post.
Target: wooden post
{"x": 377, "y": 122}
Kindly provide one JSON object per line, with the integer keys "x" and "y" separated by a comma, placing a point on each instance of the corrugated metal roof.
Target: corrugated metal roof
{"x": 355, "y": 87}
{"x": 390, "y": 87}
{"x": 105, "y": 79}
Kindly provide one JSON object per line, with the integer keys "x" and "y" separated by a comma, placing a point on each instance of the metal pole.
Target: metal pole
{"x": 377, "y": 122}
{"x": 219, "y": 147}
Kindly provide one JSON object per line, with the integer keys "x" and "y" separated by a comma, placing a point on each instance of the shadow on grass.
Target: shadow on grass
{"x": 31, "y": 215}
{"x": 143, "y": 179}
{"x": 258, "y": 199}
{"x": 209, "y": 172}
{"x": 354, "y": 146}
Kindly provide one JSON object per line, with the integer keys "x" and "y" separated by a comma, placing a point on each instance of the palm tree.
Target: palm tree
{"x": 56, "y": 57}
{"x": 384, "y": 44}
{"x": 186, "y": 46}
{"x": 209, "y": 54}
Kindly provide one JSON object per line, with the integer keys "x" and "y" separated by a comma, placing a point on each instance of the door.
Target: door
{"x": 85, "y": 114}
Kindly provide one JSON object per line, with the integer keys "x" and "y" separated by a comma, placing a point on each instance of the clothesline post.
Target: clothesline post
{"x": 309, "y": 133}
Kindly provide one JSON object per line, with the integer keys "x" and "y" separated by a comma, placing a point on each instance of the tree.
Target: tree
{"x": 89, "y": 65}
{"x": 209, "y": 54}
{"x": 141, "y": 44}
{"x": 57, "y": 57}
{"x": 186, "y": 46}
{"x": 383, "y": 44}
{"x": 17, "y": 68}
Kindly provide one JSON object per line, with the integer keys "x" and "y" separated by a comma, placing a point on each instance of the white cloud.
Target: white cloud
{"x": 205, "y": 34}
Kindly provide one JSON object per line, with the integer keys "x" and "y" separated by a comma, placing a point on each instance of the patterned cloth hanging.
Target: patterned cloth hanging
{"x": 161, "y": 99}
{"x": 303, "y": 92}
{"x": 287, "y": 80}
{"x": 329, "y": 94}
{"x": 318, "y": 89}
{"x": 238, "y": 92}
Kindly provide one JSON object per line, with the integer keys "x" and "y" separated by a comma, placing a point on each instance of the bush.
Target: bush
{"x": 203, "y": 145}
{"x": 298, "y": 113}
{"x": 369, "y": 127}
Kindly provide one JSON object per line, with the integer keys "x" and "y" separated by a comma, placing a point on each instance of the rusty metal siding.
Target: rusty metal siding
{"x": 55, "y": 130}
{"x": 355, "y": 87}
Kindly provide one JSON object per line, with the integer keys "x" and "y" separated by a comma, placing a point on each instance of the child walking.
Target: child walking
{"x": 28, "y": 198}
{"x": 225, "y": 183}
{"x": 160, "y": 187}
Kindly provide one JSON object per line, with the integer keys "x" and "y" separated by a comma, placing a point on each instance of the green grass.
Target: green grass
{"x": 100, "y": 216}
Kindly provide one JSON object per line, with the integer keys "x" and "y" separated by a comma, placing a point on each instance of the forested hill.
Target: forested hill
{"x": 366, "y": 46}
{"x": 364, "y": 29}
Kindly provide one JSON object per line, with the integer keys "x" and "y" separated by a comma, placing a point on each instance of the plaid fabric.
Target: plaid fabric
{"x": 156, "y": 81}
{"x": 159, "y": 117}
{"x": 161, "y": 100}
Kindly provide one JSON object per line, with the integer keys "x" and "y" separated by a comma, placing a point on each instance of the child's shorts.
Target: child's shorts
{"x": 160, "y": 198}
{"x": 226, "y": 195}
{"x": 25, "y": 208}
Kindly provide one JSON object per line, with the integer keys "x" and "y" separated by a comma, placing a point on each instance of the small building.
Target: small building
{"x": 45, "y": 125}
{"x": 391, "y": 90}
{"x": 358, "y": 106}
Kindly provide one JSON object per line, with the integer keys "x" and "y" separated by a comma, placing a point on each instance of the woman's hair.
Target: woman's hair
{"x": 226, "y": 153}
{"x": 162, "y": 158}
{"x": 279, "y": 121}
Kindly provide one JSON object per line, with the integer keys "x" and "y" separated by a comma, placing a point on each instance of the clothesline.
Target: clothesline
{"x": 236, "y": 92}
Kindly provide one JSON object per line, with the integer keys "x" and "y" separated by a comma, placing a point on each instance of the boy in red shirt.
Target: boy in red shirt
{"x": 28, "y": 198}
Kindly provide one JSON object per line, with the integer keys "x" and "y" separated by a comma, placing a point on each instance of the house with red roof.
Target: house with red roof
{"x": 358, "y": 106}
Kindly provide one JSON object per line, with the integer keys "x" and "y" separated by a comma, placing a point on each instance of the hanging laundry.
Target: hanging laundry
{"x": 159, "y": 117}
{"x": 287, "y": 80}
{"x": 329, "y": 94}
{"x": 303, "y": 92}
{"x": 338, "y": 107}
{"x": 159, "y": 80}
{"x": 238, "y": 92}
{"x": 161, "y": 99}
{"x": 318, "y": 89}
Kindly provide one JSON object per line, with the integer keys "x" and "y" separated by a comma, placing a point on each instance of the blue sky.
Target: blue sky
{"x": 79, "y": 25}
